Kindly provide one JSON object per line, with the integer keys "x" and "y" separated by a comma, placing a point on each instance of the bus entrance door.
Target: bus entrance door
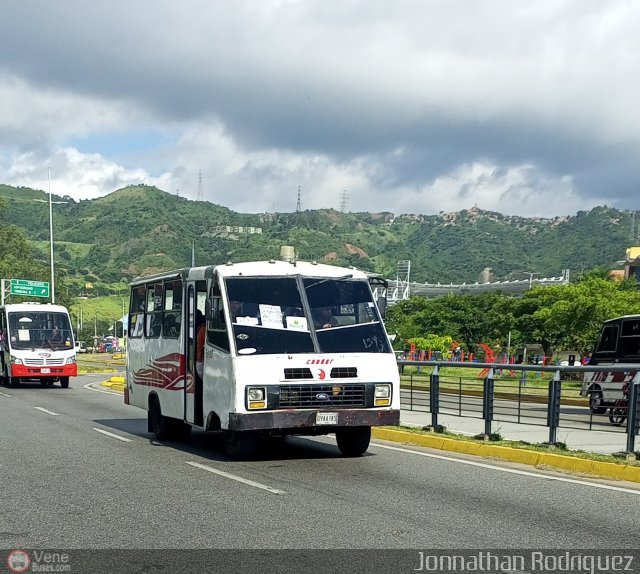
{"x": 190, "y": 354}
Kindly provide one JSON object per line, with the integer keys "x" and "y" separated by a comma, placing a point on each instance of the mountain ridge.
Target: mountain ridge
{"x": 141, "y": 229}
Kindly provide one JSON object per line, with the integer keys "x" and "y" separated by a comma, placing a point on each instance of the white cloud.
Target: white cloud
{"x": 527, "y": 108}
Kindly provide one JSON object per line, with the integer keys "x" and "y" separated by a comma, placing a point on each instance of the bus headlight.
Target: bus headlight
{"x": 71, "y": 361}
{"x": 256, "y": 398}
{"x": 382, "y": 395}
{"x": 16, "y": 361}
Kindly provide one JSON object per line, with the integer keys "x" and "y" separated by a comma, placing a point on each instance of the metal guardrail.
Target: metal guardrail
{"x": 497, "y": 398}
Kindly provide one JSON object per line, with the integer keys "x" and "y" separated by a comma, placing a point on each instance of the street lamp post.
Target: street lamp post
{"x": 53, "y": 289}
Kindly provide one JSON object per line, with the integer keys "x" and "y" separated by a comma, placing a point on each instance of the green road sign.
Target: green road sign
{"x": 29, "y": 288}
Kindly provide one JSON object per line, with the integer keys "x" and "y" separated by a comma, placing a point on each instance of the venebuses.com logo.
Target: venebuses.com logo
{"x": 19, "y": 561}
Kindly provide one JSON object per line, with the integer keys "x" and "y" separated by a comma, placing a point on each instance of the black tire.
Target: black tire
{"x": 595, "y": 403}
{"x": 353, "y": 441}
{"x": 158, "y": 422}
{"x": 166, "y": 428}
{"x": 240, "y": 444}
{"x": 64, "y": 382}
{"x": 617, "y": 416}
{"x": 7, "y": 379}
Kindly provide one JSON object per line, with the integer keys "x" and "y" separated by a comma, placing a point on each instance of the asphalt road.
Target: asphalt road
{"x": 79, "y": 470}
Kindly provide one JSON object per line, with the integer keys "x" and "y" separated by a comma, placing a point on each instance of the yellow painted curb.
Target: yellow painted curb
{"x": 117, "y": 380}
{"x": 523, "y": 456}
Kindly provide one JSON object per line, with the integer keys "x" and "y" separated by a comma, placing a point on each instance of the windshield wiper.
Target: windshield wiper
{"x": 327, "y": 279}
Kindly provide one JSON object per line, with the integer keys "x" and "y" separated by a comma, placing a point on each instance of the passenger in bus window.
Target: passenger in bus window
{"x": 323, "y": 318}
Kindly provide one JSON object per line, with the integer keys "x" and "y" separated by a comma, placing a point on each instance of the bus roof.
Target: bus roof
{"x": 620, "y": 318}
{"x": 45, "y": 307}
{"x": 280, "y": 268}
{"x": 258, "y": 269}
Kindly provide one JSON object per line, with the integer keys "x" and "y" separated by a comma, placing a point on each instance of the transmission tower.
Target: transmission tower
{"x": 299, "y": 204}
{"x": 200, "y": 185}
{"x": 344, "y": 199}
{"x": 401, "y": 289}
{"x": 632, "y": 233}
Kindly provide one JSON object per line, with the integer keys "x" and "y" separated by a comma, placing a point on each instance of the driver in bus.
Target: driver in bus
{"x": 323, "y": 318}
{"x": 56, "y": 335}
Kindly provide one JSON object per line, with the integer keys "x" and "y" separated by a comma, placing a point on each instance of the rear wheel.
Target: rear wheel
{"x": 240, "y": 444}
{"x": 353, "y": 441}
{"x": 166, "y": 428}
{"x": 595, "y": 403}
{"x": 64, "y": 382}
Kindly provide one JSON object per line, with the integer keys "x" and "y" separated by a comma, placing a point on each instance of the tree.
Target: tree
{"x": 471, "y": 319}
{"x": 17, "y": 262}
{"x": 570, "y": 317}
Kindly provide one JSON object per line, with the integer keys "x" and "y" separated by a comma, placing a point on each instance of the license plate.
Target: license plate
{"x": 44, "y": 370}
{"x": 326, "y": 418}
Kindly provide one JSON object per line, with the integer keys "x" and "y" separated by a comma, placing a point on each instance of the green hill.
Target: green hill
{"x": 141, "y": 229}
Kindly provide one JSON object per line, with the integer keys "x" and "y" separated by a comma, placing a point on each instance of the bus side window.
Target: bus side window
{"x": 172, "y": 309}
{"x": 137, "y": 311}
{"x": 154, "y": 310}
{"x": 216, "y": 325}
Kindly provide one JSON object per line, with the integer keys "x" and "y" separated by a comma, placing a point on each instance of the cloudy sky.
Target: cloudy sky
{"x": 408, "y": 106}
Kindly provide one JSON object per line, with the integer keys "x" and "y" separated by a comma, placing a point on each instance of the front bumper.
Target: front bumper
{"x": 304, "y": 420}
{"x": 28, "y": 372}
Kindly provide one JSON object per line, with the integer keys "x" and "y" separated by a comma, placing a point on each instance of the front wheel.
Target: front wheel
{"x": 353, "y": 441}
{"x": 240, "y": 444}
{"x": 64, "y": 382}
{"x": 595, "y": 403}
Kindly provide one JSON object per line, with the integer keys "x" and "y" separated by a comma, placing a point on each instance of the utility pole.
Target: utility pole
{"x": 53, "y": 289}
{"x": 344, "y": 199}
{"x": 530, "y": 277}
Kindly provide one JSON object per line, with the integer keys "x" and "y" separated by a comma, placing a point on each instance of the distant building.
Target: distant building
{"x": 632, "y": 264}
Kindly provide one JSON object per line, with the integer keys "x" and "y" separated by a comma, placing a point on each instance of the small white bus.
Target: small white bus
{"x": 619, "y": 345}
{"x": 36, "y": 343}
{"x": 289, "y": 347}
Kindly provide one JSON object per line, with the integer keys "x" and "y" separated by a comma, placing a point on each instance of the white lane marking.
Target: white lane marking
{"x": 237, "y": 478}
{"x": 46, "y": 411}
{"x": 511, "y": 470}
{"x": 6, "y": 395}
{"x": 123, "y": 439}
{"x": 90, "y": 388}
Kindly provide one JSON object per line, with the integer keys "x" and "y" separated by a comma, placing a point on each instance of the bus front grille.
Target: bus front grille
{"x": 42, "y": 362}
{"x": 344, "y": 372}
{"x": 302, "y": 373}
{"x": 321, "y": 396}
